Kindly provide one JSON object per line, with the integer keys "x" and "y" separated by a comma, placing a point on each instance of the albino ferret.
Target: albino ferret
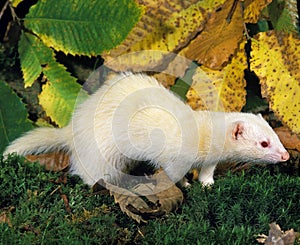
{"x": 132, "y": 119}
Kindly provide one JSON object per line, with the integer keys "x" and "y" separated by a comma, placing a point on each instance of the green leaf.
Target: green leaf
{"x": 83, "y": 27}
{"x": 60, "y": 94}
{"x": 13, "y": 116}
{"x": 30, "y": 58}
{"x": 283, "y": 15}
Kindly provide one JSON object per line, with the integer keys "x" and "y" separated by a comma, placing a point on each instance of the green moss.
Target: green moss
{"x": 233, "y": 211}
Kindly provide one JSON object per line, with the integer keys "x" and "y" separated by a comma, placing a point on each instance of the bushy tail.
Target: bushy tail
{"x": 40, "y": 140}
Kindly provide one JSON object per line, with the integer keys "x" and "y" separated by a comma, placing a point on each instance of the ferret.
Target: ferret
{"x": 132, "y": 119}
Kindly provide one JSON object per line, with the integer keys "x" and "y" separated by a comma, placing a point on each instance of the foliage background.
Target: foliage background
{"x": 238, "y": 55}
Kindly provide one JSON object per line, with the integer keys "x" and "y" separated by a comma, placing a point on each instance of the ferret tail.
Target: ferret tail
{"x": 40, "y": 140}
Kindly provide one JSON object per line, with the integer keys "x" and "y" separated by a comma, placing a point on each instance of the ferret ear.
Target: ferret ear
{"x": 238, "y": 130}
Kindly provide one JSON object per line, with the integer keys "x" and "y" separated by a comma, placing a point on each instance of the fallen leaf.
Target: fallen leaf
{"x": 66, "y": 202}
{"x": 162, "y": 194}
{"x": 169, "y": 196}
{"x": 130, "y": 203}
{"x": 165, "y": 192}
{"x": 4, "y": 216}
{"x": 277, "y": 236}
{"x": 54, "y": 161}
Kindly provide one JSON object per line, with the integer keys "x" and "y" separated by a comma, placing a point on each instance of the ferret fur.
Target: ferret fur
{"x": 132, "y": 119}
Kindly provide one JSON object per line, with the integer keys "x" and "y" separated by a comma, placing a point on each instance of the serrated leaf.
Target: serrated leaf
{"x": 167, "y": 26}
{"x": 222, "y": 90}
{"x": 275, "y": 60}
{"x": 60, "y": 94}
{"x": 13, "y": 116}
{"x": 61, "y": 91}
{"x": 81, "y": 27}
{"x": 30, "y": 58}
{"x": 219, "y": 39}
{"x": 253, "y": 10}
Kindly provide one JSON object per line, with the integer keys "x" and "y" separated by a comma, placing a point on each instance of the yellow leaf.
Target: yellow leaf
{"x": 167, "y": 26}
{"x": 253, "y": 9}
{"x": 59, "y": 100}
{"x": 275, "y": 60}
{"x": 222, "y": 90}
{"x": 15, "y": 3}
{"x": 219, "y": 40}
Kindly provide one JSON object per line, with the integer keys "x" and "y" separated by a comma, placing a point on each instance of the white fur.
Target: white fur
{"x": 132, "y": 118}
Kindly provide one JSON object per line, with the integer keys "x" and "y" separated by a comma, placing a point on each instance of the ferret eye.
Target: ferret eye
{"x": 264, "y": 144}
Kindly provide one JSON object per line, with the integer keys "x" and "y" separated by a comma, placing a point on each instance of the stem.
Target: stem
{"x": 3, "y": 9}
{"x": 14, "y": 15}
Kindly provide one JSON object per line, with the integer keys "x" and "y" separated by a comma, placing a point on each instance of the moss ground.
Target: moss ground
{"x": 40, "y": 208}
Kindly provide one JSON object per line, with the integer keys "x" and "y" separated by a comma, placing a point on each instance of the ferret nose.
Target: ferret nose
{"x": 285, "y": 156}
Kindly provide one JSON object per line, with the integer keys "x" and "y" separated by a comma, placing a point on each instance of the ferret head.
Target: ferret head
{"x": 253, "y": 140}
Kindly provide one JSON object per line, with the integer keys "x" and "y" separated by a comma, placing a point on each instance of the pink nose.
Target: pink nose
{"x": 285, "y": 156}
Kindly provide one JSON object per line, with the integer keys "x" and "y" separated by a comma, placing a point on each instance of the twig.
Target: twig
{"x": 3, "y": 9}
{"x": 246, "y": 32}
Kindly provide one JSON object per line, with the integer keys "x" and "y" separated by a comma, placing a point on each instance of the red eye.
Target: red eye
{"x": 264, "y": 144}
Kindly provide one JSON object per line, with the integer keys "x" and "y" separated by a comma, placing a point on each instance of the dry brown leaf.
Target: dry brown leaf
{"x": 289, "y": 140}
{"x": 162, "y": 194}
{"x": 165, "y": 192}
{"x": 66, "y": 202}
{"x": 219, "y": 39}
{"x": 4, "y": 217}
{"x": 253, "y": 9}
{"x": 131, "y": 204}
{"x": 169, "y": 196}
{"x": 54, "y": 161}
{"x": 277, "y": 236}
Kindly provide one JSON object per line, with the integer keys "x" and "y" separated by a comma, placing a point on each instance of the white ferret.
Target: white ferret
{"x": 132, "y": 119}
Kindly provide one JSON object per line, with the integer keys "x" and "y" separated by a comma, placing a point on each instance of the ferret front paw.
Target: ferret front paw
{"x": 207, "y": 182}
